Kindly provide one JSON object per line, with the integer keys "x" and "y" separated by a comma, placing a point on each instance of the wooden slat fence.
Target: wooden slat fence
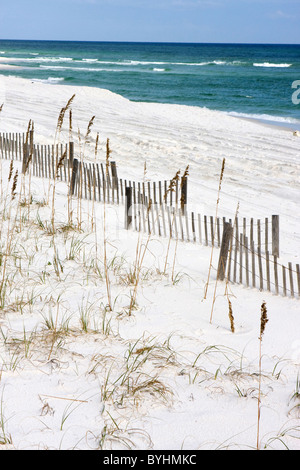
{"x": 190, "y": 226}
{"x": 248, "y": 261}
{"x": 254, "y": 269}
{"x": 91, "y": 178}
{"x": 252, "y": 259}
{"x": 11, "y": 146}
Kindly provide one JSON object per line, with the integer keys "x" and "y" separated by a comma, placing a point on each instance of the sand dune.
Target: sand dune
{"x": 262, "y": 162}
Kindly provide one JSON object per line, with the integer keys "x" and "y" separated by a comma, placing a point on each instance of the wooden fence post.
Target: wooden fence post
{"x": 298, "y": 278}
{"x": 266, "y": 234}
{"x": 291, "y": 279}
{"x": 70, "y": 162}
{"x": 260, "y": 268}
{"x": 253, "y": 262}
{"x": 25, "y": 157}
{"x": 276, "y": 275}
{"x": 74, "y": 175}
{"x": 128, "y": 207}
{"x": 227, "y": 234}
{"x": 284, "y": 280}
{"x": 241, "y": 257}
{"x": 258, "y": 235}
{"x": 193, "y": 227}
{"x": 246, "y": 260}
{"x": 71, "y": 153}
{"x": 275, "y": 235}
{"x": 183, "y": 199}
{"x": 114, "y": 175}
{"x": 268, "y": 271}
{"x": 205, "y": 230}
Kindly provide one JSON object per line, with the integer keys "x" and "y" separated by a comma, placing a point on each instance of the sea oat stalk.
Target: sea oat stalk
{"x": 69, "y": 168}
{"x": 230, "y": 315}
{"x": 216, "y": 216}
{"x": 59, "y": 125}
{"x": 94, "y": 183}
{"x": 171, "y": 188}
{"x": 94, "y": 223}
{"x": 107, "y": 280}
{"x": 182, "y": 204}
{"x": 91, "y": 183}
{"x": 80, "y": 175}
{"x": 263, "y": 321}
{"x": 27, "y": 156}
{"x": 227, "y": 279}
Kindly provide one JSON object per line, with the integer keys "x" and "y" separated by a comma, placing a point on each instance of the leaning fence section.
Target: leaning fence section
{"x": 243, "y": 259}
{"x": 178, "y": 222}
{"x": 252, "y": 268}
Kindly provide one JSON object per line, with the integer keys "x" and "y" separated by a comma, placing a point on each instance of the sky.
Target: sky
{"x": 214, "y": 21}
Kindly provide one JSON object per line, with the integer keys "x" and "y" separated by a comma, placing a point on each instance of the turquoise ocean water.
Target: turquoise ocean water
{"x": 248, "y": 80}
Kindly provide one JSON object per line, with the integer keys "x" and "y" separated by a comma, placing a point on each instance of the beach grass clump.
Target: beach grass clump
{"x": 295, "y": 397}
{"x": 5, "y": 436}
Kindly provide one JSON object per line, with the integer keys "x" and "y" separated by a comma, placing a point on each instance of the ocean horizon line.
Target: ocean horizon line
{"x": 154, "y": 42}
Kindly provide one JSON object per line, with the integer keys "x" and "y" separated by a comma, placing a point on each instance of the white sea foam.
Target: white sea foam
{"x": 141, "y": 62}
{"x": 267, "y": 118}
{"x": 39, "y": 59}
{"x": 190, "y": 64}
{"x": 88, "y": 60}
{"x": 129, "y": 62}
{"x": 267, "y": 64}
{"x": 125, "y": 63}
{"x": 62, "y": 67}
{"x": 76, "y": 69}
{"x": 53, "y": 80}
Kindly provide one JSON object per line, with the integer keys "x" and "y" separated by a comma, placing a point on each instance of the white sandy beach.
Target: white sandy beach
{"x": 209, "y": 396}
{"x": 262, "y": 162}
